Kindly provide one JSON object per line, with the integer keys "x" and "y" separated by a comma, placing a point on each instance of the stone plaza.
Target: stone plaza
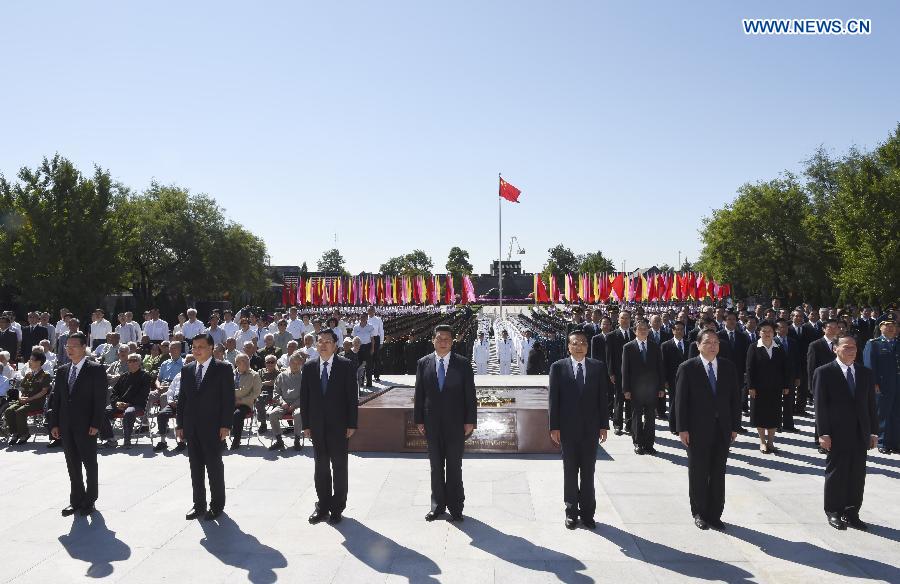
{"x": 513, "y": 531}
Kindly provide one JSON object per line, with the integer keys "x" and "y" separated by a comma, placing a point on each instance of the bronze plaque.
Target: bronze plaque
{"x": 496, "y": 432}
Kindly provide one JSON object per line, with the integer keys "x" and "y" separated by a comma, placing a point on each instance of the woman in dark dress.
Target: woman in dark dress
{"x": 768, "y": 379}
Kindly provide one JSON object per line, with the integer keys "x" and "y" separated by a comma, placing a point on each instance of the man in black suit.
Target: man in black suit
{"x": 445, "y": 411}
{"x": 659, "y": 334}
{"x": 708, "y": 412}
{"x": 848, "y": 424}
{"x": 592, "y": 326}
{"x": 76, "y": 412}
{"x": 674, "y": 353}
{"x": 643, "y": 379}
{"x": 329, "y": 402}
{"x": 821, "y": 352}
{"x": 578, "y": 419}
{"x": 614, "y": 343}
{"x": 792, "y": 352}
{"x": 800, "y": 335}
{"x": 32, "y": 334}
{"x": 203, "y": 418}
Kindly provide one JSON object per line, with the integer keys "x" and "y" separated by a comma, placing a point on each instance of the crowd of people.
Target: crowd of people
{"x": 143, "y": 361}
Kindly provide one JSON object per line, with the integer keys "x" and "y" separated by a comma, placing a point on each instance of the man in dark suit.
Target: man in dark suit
{"x": 32, "y": 334}
{"x": 792, "y": 352}
{"x": 203, "y": 419}
{"x": 848, "y": 427}
{"x": 76, "y": 412}
{"x": 799, "y": 337}
{"x": 821, "y": 352}
{"x": 578, "y": 419}
{"x": 674, "y": 353}
{"x": 614, "y": 343}
{"x": 445, "y": 411}
{"x": 708, "y": 416}
{"x": 329, "y": 402}
{"x": 659, "y": 334}
{"x": 643, "y": 379}
{"x": 592, "y": 326}
{"x": 733, "y": 345}
{"x": 865, "y": 325}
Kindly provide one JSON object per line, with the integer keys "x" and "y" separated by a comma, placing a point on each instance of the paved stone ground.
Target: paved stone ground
{"x": 513, "y": 531}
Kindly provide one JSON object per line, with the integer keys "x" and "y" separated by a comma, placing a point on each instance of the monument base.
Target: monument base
{"x": 386, "y": 422}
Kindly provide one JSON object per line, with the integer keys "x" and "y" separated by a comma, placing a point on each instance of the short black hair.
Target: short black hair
{"x": 704, "y": 333}
{"x": 829, "y": 321}
{"x": 767, "y": 323}
{"x": 80, "y": 337}
{"x": 442, "y": 328}
{"x": 203, "y": 337}
{"x": 844, "y": 336}
{"x": 40, "y": 356}
{"x": 578, "y": 332}
{"x": 329, "y": 332}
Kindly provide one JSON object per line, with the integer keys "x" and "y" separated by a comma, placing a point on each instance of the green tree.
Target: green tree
{"x": 864, "y": 216}
{"x": 561, "y": 261}
{"x": 458, "y": 262}
{"x": 332, "y": 262}
{"x": 415, "y": 263}
{"x": 592, "y": 263}
{"x": 59, "y": 236}
{"x": 304, "y": 271}
{"x": 664, "y": 267}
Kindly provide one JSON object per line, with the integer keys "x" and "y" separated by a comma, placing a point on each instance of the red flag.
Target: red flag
{"x": 540, "y": 290}
{"x": 652, "y": 291}
{"x": 509, "y": 192}
{"x": 701, "y": 286}
{"x": 618, "y": 287}
{"x": 554, "y": 289}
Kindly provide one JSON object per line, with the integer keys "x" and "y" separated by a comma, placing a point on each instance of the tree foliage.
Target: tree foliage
{"x": 415, "y": 263}
{"x": 458, "y": 262}
{"x": 332, "y": 262}
{"x": 592, "y": 263}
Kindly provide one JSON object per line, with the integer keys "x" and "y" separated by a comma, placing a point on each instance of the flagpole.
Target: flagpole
{"x": 500, "y": 242}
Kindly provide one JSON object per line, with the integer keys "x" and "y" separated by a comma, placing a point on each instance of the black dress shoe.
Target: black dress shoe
{"x": 297, "y": 446}
{"x": 638, "y": 450}
{"x": 881, "y": 450}
{"x": 822, "y": 450}
{"x": 700, "y": 522}
{"x": 235, "y": 445}
{"x": 277, "y": 445}
{"x": 571, "y": 522}
{"x": 70, "y": 510}
{"x": 318, "y": 516}
{"x": 834, "y": 520}
{"x": 335, "y": 519}
{"x": 650, "y": 450}
{"x": 87, "y": 510}
{"x": 15, "y": 440}
{"x": 456, "y": 517}
{"x": 432, "y": 515}
{"x": 716, "y": 524}
{"x": 54, "y": 443}
{"x": 160, "y": 446}
{"x": 263, "y": 429}
{"x": 855, "y": 522}
{"x": 181, "y": 446}
{"x": 195, "y": 513}
{"x": 589, "y": 522}
{"x": 212, "y": 514}
{"x": 618, "y": 432}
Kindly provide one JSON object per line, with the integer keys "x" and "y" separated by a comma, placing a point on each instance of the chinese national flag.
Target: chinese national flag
{"x": 509, "y": 192}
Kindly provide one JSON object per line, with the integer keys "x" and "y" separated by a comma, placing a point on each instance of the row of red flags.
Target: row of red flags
{"x": 376, "y": 290}
{"x": 626, "y": 287}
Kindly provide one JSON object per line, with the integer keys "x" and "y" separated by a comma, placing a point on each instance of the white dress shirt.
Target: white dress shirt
{"x": 437, "y": 362}
{"x": 575, "y": 366}
{"x": 99, "y": 330}
{"x": 203, "y": 371}
{"x": 191, "y": 329}
{"x": 715, "y": 364}
{"x": 768, "y": 349}
{"x": 157, "y": 330}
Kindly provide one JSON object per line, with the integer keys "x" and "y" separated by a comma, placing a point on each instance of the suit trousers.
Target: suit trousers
{"x": 579, "y": 460}
{"x": 445, "y": 452}
{"x": 330, "y": 475}
{"x": 81, "y": 451}
{"x": 205, "y": 453}
{"x": 845, "y": 480}
{"x": 706, "y": 476}
{"x": 622, "y": 414}
{"x": 643, "y": 423}
{"x": 787, "y": 409}
{"x": 376, "y": 357}
{"x": 365, "y": 358}
{"x": 672, "y": 420}
{"x": 237, "y": 421}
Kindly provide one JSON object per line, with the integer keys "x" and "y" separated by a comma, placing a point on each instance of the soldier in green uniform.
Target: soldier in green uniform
{"x": 33, "y": 389}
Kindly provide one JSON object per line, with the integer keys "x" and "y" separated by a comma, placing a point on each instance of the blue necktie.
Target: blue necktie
{"x": 442, "y": 374}
{"x": 680, "y": 348}
{"x": 712, "y": 377}
{"x": 851, "y": 383}
{"x": 73, "y": 374}
{"x": 324, "y": 376}
{"x": 199, "y": 375}
{"x": 579, "y": 378}
{"x": 643, "y": 353}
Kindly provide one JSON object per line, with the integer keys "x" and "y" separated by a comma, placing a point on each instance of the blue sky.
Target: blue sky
{"x": 385, "y": 123}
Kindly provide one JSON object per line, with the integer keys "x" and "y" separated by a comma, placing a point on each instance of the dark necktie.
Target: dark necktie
{"x": 73, "y": 374}
{"x": 643, "y": 352}
{"x": 199, "y": 374}
{"x": 731, "y": 339}
{"x": 442, "y": 374}
{"x": 712, "y": 377}
{"x": 579, "y": 378}
{"x": 851, "y": 383}
{"x": 324, "y": 376}
{"x": 680, "y": 347}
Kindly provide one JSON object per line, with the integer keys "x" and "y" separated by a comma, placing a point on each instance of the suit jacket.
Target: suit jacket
{"x": 592, "y": 329}
{"x": 866, "y": 329}
{"x": 84, "y": 406}
{"x": 579, "y": 414}
{"x": 765, "y": 373}
{"x": 205, "y": 409}
{"x": 338, "y": 409}
{"x": 598, "y": 347}
{"x": 792, "y": 353}
{"x": 664, "y": 335}
{"x": 849, "y": 419}
{"x": 448, "y": 410}
{"x": 817, "y": 354}
{"x": 700, "y": 412}
{"x": 737, "y": 354}
{"x": 9, "y": 342}
{"x": 642, "y": 379}
{"x": 31, "y": 336}
{"x": 672, "y": 358}
{"x": 801, "y": 342}
{"x": 615, "y": 341}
